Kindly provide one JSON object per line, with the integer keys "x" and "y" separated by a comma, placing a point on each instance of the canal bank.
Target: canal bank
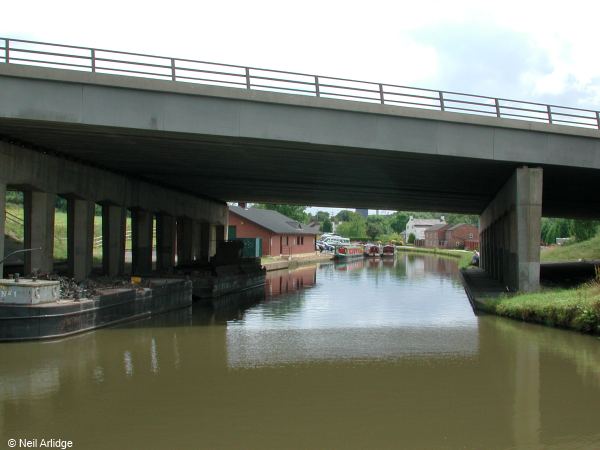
{"x": 575, "y": 308}
{"x": 464, "y": 256}
{"x": 291, "y": 262}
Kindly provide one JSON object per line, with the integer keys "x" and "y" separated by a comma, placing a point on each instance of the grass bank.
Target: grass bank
{"x": 589, "y": 249}
{"x": 464, "y": 256}
{"x": 576, "y": 309}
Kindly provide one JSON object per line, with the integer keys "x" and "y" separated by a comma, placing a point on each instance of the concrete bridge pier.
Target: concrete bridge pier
{"x": 39, "y": 230}
{"x": 141, "y": 241}
{"x": 113, "y": 239}
{"x": 510, "y": 229}
{"x": 166, "y": 237}
{"x": 80, "y": 237}
{"x": 185, "y": 234}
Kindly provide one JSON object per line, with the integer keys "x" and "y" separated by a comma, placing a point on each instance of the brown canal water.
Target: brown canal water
{"x": 369, "y": 354}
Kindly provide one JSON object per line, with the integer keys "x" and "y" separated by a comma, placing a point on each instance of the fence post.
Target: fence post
{"x": 93, "y": 56}
{"x": 247, "y": 78}
{"x": 317, "y": 89}
{"x": 497, "y": 107}
{"x": 7, "y": 50}
{"x": 173, "y": 69}
{"x": 381, "y": 97}
{"x": 549, "y": 114}
{"x": 442, "y": 101}
{"x": 598, "y": 119}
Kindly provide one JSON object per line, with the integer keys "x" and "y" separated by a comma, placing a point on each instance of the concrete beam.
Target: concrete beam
{"x": 39, "y": 231}
{"x": 166, "y": 236}
{"x": 510, "y": 231}
{"x": 113, "y": 239}
{"x": 141, "y": 241}
{"x": 2, "y": 223}
{"x": 47, "y": 173}
{"x": 80, "y": 237}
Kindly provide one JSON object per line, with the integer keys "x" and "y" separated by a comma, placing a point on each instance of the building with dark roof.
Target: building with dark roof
{"x": 280, "y": 235}
{"x": 435, "y": 236}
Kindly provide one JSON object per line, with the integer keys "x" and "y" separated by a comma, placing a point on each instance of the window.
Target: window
{"x": 287, "y": 240}
{"x": 297, "y": 240}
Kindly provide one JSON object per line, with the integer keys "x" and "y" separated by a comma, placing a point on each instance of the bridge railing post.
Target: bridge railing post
{"x": 317, "y": 89}
{"x": 549, "y": 110}
{"x": 173, "y": 69}
{"x": 381, "y": 97}
{"x": 247, "y": 78}
{"x": 497, "y": 107}
{"x": 7, "y": 50}
{"x": 442, "y": 107}
{"x": 93, "y": 59}
{"x": 598, "y": 119}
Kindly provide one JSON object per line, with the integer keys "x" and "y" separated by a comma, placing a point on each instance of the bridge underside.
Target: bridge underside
{"x": 229, "y": 168}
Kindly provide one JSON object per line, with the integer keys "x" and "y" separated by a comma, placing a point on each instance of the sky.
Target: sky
{"x": 542, "y": 51}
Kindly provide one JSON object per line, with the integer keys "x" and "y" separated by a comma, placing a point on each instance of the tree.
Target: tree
{"x": 397, "y": 221}
{"x": 322, "y": 216}
{"x": 327, "y": 226}
{"x": 344, "y": 215}
{"x": 355, "y": 227}
{"x": 376, "y": 226}
{"x": 583, "y": 230}
{"x": 411, "y": 238}
{"x": 295, "y": 212}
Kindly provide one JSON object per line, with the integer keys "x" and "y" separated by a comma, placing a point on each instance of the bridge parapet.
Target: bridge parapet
{"x": 44, "y": 54}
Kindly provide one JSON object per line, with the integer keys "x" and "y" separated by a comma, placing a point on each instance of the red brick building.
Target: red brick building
{"x": 435, "y": 236}
{"x": 462, "y": 235}
{"x": 280, "y": 235}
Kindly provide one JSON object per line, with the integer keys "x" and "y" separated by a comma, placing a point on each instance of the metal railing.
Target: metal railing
{"x": 19, "y": 51}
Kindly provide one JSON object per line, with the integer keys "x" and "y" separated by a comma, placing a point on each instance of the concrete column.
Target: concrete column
{"x": 204, "y": 242}
{"x": 39, "y": 231}
{"x": 2, "y": 221}
{"x": 80, "y": 237}
{"x": 113, "y": 240}
{"x": 513, "y": 222}
{"x": 212, "y": 248}
{"x": 221, "y": 233}
{"x": 166, "y": 231}
{"x": 141, "y": 242}
{"x": 185, "y": 229}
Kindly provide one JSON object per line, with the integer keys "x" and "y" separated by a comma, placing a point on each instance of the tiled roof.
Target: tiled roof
{"x": 273, "y": 220}
{"x": 439, "y": 226}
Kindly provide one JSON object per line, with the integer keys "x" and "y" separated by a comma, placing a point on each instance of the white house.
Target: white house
{"x": 418, "y": 226}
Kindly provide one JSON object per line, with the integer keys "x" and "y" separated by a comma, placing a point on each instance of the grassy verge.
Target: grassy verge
{"x": 575, "y": 309}
{"x": 589, "y": 249}
{"x": 464, "y": 256}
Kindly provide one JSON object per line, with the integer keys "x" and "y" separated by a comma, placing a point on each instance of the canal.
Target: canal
{"x": 365, "y": 354}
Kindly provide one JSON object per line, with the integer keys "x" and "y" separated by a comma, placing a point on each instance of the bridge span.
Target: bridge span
{"x": 178, "y": 144}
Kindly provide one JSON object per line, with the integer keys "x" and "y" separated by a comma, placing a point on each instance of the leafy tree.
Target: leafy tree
{"x": 295, "y": 212}
{"x": 355, "y": 227}
{"x": 376, "y": 226}
{"x": 553, "y": 228}
{"x": 344, "y": 215}
{"x": 583, "y": 230}
{"x": 322, "y": 216}
{"x": 411, "y": 238}
{"x": 327, "y": 226}
{"x": 397, "y": 221}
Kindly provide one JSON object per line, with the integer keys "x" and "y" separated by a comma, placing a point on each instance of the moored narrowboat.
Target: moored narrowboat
{"x": 389, "y": 250}
{"x": 348, "y": 251}
{"x": 372, "y": 250}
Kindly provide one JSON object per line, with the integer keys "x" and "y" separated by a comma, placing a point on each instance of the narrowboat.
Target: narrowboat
{"x": 372, "y": 250}
{"x": 389, "y": 250}
{"x": 348, "y": 251}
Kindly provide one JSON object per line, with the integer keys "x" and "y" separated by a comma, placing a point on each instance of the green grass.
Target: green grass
{"x": 589, "y": 249}
{"x": 15, "y": 229}
{"x": 464, "y": 256}
{"x": 576, "y": 309}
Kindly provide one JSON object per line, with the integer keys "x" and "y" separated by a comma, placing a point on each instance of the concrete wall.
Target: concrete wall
{"x": 509, "y": 231}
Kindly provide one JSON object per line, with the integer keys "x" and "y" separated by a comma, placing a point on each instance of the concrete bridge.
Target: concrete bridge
{"x": 177, "y": 138}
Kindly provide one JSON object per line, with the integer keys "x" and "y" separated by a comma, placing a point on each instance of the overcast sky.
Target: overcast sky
{"x": 539, "y": 51}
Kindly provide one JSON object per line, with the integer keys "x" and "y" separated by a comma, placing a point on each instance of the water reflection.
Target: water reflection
{"x": 275, "y": 375}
